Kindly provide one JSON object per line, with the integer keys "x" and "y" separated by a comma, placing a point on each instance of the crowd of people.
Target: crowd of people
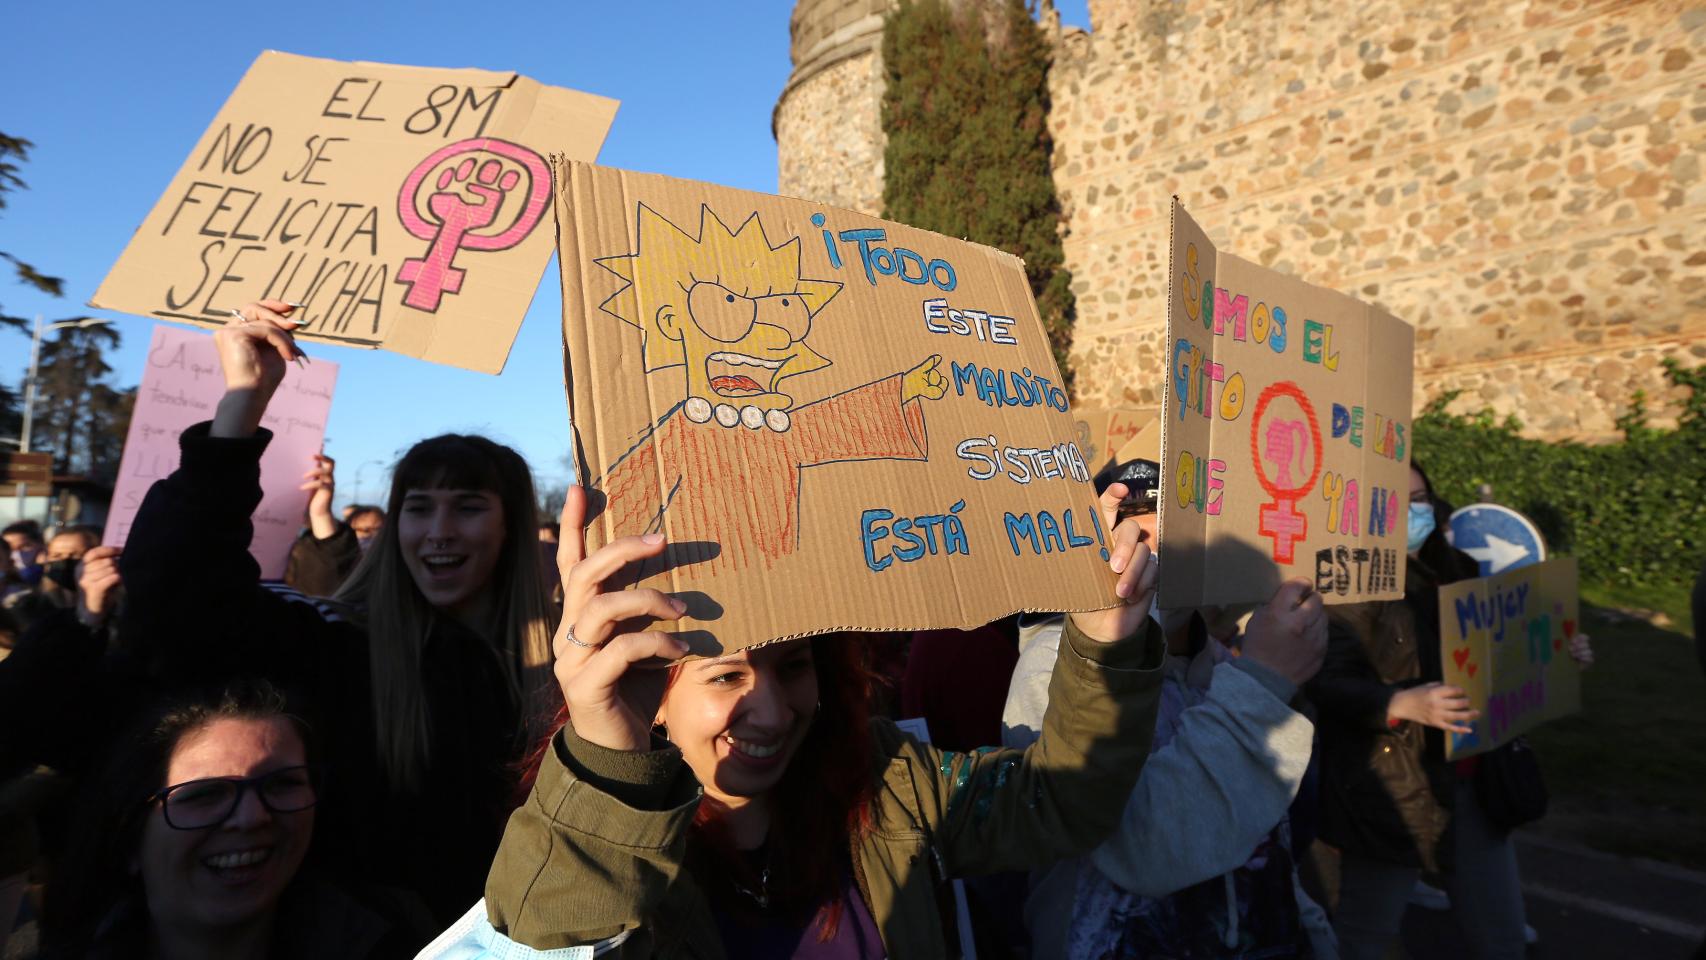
{"x": 454, "y": 730}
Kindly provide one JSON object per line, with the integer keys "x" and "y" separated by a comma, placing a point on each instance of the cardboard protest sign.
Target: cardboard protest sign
{"x": 1286, "y": 442}
{"x": 1505, "y": 640}
{"x": 838, "y": 422}
{"x": 1144, "y": 445}
{"x": 1102, "y": 432}
{"x": 406, "y": 208}
{"x": 181, "y": 386}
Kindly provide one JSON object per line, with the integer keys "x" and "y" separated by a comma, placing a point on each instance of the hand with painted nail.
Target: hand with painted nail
{"x": 610, "y": 663}
{"x": 253, "y": 354}
{"x": 1288, "y": 634}
{"x": 1129, "y": 556}
{"x": 320, "y": 484}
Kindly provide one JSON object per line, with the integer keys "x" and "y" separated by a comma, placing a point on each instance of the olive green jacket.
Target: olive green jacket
{"x": 597, "y": 849}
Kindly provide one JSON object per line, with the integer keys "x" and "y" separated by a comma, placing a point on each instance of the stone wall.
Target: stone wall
{"x": 1520, "y": 180}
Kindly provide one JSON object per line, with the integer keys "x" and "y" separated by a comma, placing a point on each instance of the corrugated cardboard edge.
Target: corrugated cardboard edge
{"x": 1167, "y": 386}
{"x": 568, "y": 172}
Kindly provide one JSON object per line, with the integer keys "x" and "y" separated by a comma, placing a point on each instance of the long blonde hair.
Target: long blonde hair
{"x": 398, "y": 618}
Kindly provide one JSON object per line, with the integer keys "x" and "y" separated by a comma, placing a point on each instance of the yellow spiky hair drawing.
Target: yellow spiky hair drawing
{"x": 668, "y": 262}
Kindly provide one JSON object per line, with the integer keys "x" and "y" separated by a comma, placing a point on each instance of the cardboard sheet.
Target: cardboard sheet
{"x": 1505, "y": 640}
{"x": 408, "y": 208}
{"x": 839, "y": 422}
{"x": 181, "y": 386}
{"x": 1103, "y": 432}
{"x": 1145, "y": 444}
{"x": 1286, "y": 441}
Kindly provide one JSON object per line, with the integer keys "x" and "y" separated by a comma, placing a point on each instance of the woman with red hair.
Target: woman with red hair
{"x": 747, "y": 805}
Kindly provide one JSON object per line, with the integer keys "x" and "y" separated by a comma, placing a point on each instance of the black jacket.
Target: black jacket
{"x": 62, "y": 693}
{"x": 1386, "y": 792}
{"x": 319, "y": 567}
{"x": 198, "y": 612}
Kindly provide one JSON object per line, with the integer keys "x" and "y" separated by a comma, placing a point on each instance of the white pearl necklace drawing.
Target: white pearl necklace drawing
{"x": 700, "y": 410}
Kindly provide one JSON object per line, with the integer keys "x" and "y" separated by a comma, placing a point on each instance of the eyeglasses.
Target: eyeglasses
{"x": 199, "y": 804}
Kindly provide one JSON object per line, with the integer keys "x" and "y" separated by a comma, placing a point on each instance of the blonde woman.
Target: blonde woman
{"x": 425, "y": 671}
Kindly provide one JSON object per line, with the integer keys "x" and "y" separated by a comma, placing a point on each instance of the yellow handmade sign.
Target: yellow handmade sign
{"x": 1505, "y": 640}
{"x": 404, "y": 208}
{"x": 838, "y": 422}
{"x": 1286, "y": 438}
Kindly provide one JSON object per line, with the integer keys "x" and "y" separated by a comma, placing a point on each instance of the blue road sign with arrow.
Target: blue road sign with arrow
{"x": 1497, "y": 537}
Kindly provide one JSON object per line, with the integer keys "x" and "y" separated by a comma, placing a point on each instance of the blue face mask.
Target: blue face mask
{"x": 1421, "y": 524}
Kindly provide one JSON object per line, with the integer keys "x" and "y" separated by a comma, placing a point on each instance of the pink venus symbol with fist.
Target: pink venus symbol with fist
{"x": 467, "y": 209}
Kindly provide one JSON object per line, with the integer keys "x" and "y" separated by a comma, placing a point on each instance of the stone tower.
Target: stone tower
{"x": 829, "y": 137}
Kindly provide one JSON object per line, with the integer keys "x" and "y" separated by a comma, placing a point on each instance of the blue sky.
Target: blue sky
{"x": 114, "y": 95}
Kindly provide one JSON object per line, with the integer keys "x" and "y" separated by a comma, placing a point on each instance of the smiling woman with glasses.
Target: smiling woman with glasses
{"x": 197, "y": 829}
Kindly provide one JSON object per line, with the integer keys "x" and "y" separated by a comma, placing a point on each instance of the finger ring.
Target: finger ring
{"x": 569, "y": 634}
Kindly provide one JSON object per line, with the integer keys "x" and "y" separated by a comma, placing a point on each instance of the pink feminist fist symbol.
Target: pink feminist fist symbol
{"x": 460, "y": 217}
{"x": 1280, "y": 520}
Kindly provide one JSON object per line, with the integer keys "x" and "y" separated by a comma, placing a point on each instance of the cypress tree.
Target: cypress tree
{"x": 965, "y": 109}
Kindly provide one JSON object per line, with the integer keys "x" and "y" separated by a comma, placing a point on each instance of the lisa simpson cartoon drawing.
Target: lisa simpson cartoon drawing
{"x": 724, "y": 463}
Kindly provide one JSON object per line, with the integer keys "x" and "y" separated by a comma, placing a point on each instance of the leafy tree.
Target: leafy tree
{"x": 13, "y": 152}
{"x": 11, "y": 415}
{"x": 79, "y": 418}
{"x": 969, "y": 154}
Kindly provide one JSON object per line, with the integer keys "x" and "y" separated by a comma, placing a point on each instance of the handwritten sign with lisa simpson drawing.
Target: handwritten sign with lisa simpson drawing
{"x": 839, "y": 422}
{"x": 181, "y": 385}
{"x": 1505, "y": 640}
{"x": 1286, "y": 438}
{"x": 406, "y": 208}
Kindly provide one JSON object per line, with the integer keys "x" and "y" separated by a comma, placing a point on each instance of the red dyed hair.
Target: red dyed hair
{"x": 822, "y": 806}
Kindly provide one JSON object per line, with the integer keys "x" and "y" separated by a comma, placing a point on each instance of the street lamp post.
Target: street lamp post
{"x": 30, "y": 382}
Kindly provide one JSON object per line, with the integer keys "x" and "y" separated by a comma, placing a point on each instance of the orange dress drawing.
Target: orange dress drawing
{"x": 740, "y": 487}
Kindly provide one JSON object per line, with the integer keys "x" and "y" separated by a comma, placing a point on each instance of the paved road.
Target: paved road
{"x": 1587, "y": 904}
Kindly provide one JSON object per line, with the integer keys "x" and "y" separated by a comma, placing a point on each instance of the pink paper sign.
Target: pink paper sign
{"x": 181, "y": 385}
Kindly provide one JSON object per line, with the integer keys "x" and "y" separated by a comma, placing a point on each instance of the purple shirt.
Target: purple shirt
{"x": 758, "y": 937}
